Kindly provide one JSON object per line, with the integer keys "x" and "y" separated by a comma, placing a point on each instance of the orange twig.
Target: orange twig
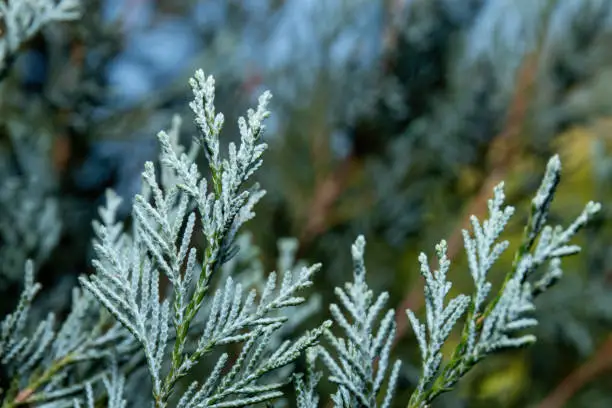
{"x": 326, "y": 194}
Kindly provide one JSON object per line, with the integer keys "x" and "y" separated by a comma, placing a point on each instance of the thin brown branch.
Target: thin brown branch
{"x": 597, "y": 365}
{"x": 327, "y": 192}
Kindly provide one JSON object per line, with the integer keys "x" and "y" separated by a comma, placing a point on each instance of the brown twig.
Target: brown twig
{"x": 599, "y": 363}
{"x": 327, "y": 192}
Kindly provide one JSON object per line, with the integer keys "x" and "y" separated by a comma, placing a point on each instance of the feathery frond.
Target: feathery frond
{"x": 497, "y": 325}
{"x": 47, "y": 364}
{"x": 128, "y": 266}
{"x": 24, "y": 18}
{"x": 353, "y": 368}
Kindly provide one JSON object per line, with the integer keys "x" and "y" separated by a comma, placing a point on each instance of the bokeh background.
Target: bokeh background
{"x": 391, "y": 118}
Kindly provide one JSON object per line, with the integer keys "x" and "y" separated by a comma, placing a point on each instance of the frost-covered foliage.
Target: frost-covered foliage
{"x": 498, "y": 325}
{"x": 22, "y": 19}
{"x": 114, "y": 384}
{"x": 129, "y": 266}
{"x": 501, "y": 323}
{"x": 358, "y": 361}
{"x": 52, "y": 366}
{"x": 353, "y": 369}
{"x": 156, "y": 304}
{"x": 30, "y": 225}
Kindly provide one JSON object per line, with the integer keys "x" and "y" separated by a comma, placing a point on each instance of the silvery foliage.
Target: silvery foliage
{"x": 23, "y": 19}
{"x": 114, "y": 385}
{"x": 488, "y": 328}
{"x": 351, "y": 359}
{"x": 29, "y": 227}
{"x": 247, "y": 269}
{"x": 128, "y": 268}
{"x": 306, "y": 385}
{"x": 127, "y": 284}
{"x": 505, "y": 31}
{"x": 52, "y": 367}
{"x": 30, "y": 224}
{"x": 500, "y": 324}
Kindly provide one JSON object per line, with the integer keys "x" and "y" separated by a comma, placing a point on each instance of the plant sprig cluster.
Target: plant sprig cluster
{"x": 154, "y": 303}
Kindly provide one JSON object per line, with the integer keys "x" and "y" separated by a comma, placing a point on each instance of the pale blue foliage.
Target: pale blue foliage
{"x": 441, "y": 318}
{"x": 30, "y": 225}
{"x": 174, "y": 327}
{"x": 128, "y": 265}
{"x": 50, "y": 356}
{"x": 23, "y": 19}
{"x": 351, "y": 359}
{"x": 128, "y": 287}
{"x": 505, "y": 31}
{"x": 306, "y": 386}
{"x": 114, "y": 385}
{"x": 501, "y": 323}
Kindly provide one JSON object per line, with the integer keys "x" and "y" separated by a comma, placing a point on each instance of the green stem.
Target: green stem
{"x": 24, "y": 396}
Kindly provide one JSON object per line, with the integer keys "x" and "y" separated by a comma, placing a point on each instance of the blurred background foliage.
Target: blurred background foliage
{"x": 391, "y": 118}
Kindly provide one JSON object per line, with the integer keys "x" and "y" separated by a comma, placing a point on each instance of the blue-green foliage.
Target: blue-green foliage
{"x": 156, "y": 304}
